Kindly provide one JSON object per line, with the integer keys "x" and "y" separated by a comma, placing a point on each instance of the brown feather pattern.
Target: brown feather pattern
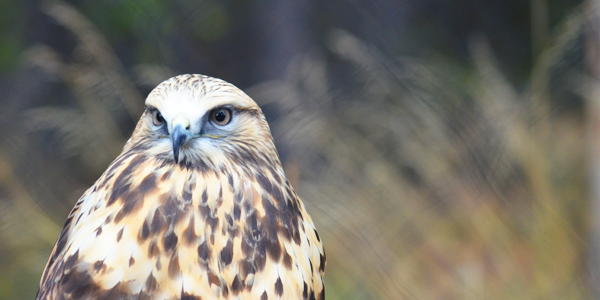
{"x": 222, "y": 223}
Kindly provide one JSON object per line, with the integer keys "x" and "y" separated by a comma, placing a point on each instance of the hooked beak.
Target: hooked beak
{"x": 180, "y": 135}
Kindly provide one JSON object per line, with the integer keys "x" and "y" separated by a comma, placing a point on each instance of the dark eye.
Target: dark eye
{"x": 157, "y": 118}
{"x": 221, "y": 116}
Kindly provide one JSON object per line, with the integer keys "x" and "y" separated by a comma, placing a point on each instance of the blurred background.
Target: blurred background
{"x": 445, "y": 149}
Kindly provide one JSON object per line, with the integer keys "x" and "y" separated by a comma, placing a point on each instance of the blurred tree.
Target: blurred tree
{"x": 593, "y": 127}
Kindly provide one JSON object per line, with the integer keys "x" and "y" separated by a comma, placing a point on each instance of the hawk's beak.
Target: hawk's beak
{"x": 180, "y": 135}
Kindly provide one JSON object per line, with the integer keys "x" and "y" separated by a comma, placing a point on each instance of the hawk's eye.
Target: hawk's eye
{"x": 157, "y": 118}
{"x": 221, "y": 116}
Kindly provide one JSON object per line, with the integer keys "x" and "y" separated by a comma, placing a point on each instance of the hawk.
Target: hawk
{"x": 197, "y": 206}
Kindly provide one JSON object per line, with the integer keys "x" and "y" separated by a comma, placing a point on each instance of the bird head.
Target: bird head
{"x": 203, "y": 122}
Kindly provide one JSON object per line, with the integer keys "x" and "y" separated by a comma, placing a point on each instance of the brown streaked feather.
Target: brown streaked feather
{"x": 221, "y": 223}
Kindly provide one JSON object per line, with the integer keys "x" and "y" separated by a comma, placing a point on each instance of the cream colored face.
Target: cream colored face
{"x": 191, "y": 125}
{"x": 193, "y": 106}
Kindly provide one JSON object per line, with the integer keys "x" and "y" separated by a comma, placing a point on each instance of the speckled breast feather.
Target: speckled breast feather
{"x": 222, "y": 222}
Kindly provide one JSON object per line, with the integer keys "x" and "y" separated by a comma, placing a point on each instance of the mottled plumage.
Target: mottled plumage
{"x": 195, "y": 207}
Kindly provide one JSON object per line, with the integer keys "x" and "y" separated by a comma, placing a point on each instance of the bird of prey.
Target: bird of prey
{"x": 197, "y": 206}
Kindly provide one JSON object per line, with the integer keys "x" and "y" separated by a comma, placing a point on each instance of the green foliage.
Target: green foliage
{"x": 11, "y": 34}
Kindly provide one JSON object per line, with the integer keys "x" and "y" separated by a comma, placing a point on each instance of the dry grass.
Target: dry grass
{"x": 427, "y": 180}
{"x": 431, "y": 182}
